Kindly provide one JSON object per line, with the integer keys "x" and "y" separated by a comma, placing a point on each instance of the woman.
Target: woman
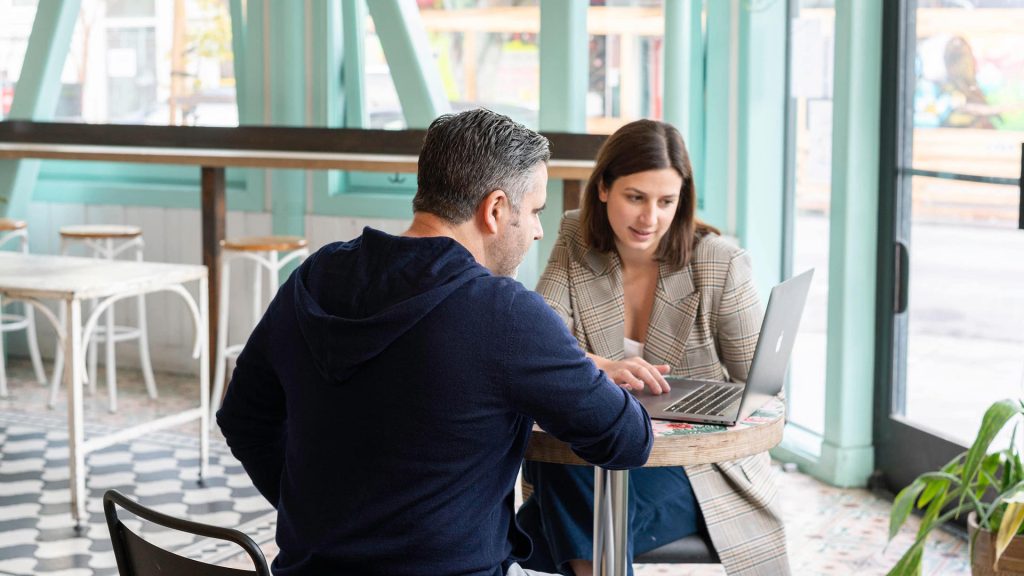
{"x": 649, "y": 290}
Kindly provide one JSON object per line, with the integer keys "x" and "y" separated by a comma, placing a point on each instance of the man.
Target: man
{"x": 384, "y": 401}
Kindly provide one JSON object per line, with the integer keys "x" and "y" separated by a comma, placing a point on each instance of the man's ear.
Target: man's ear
{"x": 493, "y": 210}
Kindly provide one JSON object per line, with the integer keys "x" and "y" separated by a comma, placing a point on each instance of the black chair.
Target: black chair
{"x": 693, "y": 549}
{"x": 137, "y": 557}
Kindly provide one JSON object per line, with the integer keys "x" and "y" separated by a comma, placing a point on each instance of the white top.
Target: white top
{"x": 631, "y": 348}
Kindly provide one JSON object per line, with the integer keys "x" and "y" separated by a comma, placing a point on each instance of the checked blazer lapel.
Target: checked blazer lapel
{"x": 676, "y": 303}
{"x": 598, "y": 281}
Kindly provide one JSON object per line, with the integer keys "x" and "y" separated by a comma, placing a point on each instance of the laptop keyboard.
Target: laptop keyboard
{"x": 708, "y": 400}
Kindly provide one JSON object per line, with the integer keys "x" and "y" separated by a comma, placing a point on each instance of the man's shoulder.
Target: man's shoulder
{"x": 502, "y": 295}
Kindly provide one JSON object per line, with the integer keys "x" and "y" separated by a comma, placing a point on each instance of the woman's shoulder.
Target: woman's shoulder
{"x": 715, "y": 248}
{"x": 570, "y": 232}
{"x": 571, "y": 225}
{"x": 714, "y": 259}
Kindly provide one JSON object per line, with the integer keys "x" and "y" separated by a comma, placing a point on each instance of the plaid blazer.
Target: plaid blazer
{"x": 704, "y": 324}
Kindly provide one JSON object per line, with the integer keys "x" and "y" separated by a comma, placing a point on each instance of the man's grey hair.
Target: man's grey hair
{"x": 468, "y": 155}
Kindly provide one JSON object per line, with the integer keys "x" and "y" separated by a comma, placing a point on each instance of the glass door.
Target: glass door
{"x": 954, "y": 251}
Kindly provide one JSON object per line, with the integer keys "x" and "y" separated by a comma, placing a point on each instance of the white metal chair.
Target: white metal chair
{"x": 10, "y": 231}
{"x": 109, "y": 242}
{"x": 266, "y": 253}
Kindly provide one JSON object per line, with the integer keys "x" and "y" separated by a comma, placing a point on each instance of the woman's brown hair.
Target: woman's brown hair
{"x": 637, "y": 147}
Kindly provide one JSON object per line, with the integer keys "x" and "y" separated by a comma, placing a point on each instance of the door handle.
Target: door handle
{"x": 902, "y": 292}
{"x": 1020, "y": 207}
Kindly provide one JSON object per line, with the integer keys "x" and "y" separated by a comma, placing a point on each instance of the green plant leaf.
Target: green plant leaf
{"x": 910, "y": 563}
{"x": 985, "y": 517}
{"x": 987, "y": 476}
{"x": 936, "y": 483}
{"x": 931, "y": 491}
{"x": 1012, "y": 520}
{"x": 903, "y": 504}
{"x": 995, "y": 418}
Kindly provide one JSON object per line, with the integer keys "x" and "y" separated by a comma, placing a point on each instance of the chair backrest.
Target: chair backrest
{"x": 137, "y": 557}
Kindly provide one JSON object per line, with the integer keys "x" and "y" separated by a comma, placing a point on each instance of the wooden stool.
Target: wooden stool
{"x": 11, "y": 230}
{"x": 265, "y": 252}
{"x": 108, "y": 242}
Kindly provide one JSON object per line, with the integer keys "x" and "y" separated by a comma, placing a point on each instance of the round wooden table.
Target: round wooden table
{"x": 675, "y": 444}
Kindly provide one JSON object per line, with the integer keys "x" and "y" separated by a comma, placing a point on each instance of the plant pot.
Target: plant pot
{"x": 1011, "y": 563}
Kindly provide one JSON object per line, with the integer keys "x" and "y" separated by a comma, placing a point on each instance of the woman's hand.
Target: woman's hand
{"x": 635, "y": 373}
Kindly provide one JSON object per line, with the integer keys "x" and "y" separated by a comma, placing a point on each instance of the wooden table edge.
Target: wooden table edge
{"x": 679, "y": 450}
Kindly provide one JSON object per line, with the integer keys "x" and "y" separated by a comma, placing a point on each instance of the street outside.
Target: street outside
{"x": 966, "y": 323}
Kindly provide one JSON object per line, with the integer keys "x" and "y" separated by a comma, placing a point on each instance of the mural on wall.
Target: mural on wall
{"x": 974, "y": 81}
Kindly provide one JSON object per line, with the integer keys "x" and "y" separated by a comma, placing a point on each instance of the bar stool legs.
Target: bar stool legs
{"x": 11, "y": 230}
{"x": 106, "y": 246}
{"x": 265, "y": 254}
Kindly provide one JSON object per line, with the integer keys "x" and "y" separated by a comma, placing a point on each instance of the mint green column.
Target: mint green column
{"x": 761, "y": 137}
{"x": 275, "y": 88}
{"x": 327, "y": 98}
{"x": 35, "y": 97}
{"x": 410, "y": 58}
{"x": 744, "y": 129}
{"x": 564, "y": 50}
{"x": 720, "y": 116}
{"x": 354, "y": 63}
{"x": 238, "y": 49}
{"x": 844, "y": 456}
{"x": 683, "y": 95}
{"x": 847, "y": 456}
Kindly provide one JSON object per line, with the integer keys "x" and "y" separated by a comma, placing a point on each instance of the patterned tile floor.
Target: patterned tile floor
{"x": 830, "y": 530}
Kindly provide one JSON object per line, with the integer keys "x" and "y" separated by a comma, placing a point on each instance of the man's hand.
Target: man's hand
{"x": 635, "y": 373}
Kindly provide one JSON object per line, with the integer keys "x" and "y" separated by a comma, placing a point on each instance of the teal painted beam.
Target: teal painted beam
{"x": 353, "y": 88}
{"x": 353, "y": 21}
{"x": 368, "y": 205}
{"x": 410, "y": 58}
{"x": 720, "y": 110}
{"x": 249, "y": 18}
{"x": 162, "y": 195}
{"x": 236, "y": 9}
{"x": 289, "y": 76}
{"x": 683, "y": 90}
{"x": 847, "y": 454}
{"x": 564, "y": 70}
{"x": 290, "y": 82}
{"x": 760, "y": 138}
{"x": 564, "y": 51}
{"x": 35, "y": 97}
{"x": 252, "y": 106}
{"x": 327, "y": 98}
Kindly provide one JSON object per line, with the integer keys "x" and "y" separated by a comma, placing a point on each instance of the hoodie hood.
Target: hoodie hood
{"x": 354, "y": 299}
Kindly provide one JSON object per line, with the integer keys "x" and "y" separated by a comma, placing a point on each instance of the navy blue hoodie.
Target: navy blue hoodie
{"x": 384, "y": 402}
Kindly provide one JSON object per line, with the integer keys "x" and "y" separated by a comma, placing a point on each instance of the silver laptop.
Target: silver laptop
{"x": 711, "y": 402}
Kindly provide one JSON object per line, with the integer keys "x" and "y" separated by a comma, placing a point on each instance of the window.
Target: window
{"x": 812, "y": 42}
{"x": 150, "y": 62}
{"x": 488, "y": 54}
{"x": 18, "y": 16}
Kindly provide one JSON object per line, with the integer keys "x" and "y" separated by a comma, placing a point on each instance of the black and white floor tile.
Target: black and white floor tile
{"x": 37, "y": 535}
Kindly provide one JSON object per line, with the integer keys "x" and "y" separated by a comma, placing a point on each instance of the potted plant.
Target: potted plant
{"x": 990, "y": 487}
